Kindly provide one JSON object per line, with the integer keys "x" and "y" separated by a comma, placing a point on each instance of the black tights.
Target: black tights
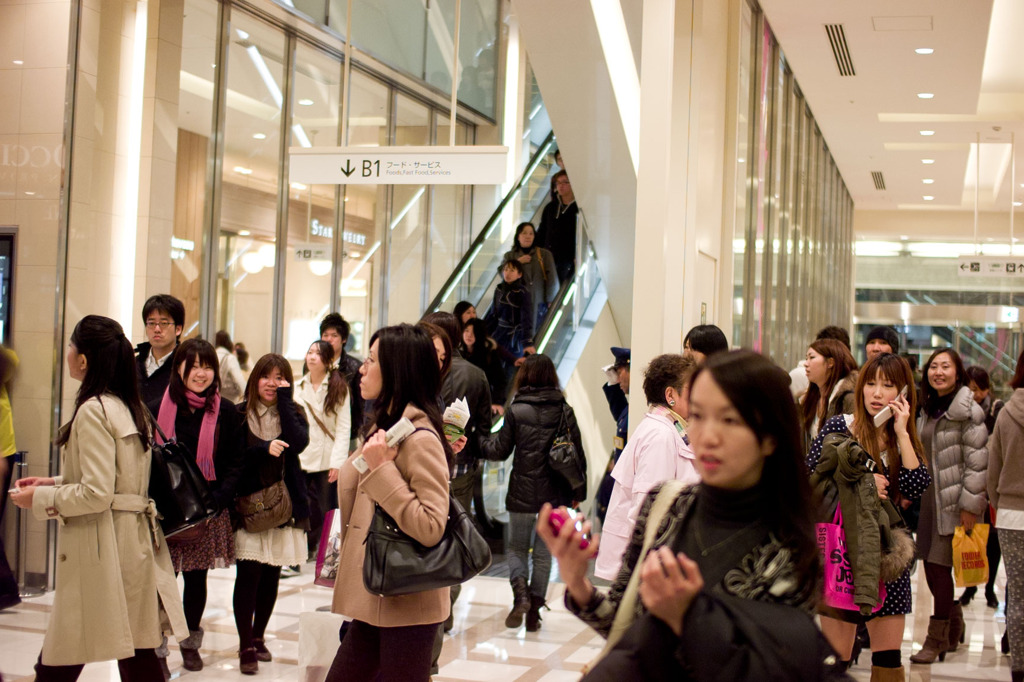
{"x": 193, "y": 597}
{"x": 142, "y": 667}
{"x": 254, "y": 599}
{"x": 940, "y": 584}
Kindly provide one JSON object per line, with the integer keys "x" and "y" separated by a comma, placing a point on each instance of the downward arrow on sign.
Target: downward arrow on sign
{"x": 348, "y": 169}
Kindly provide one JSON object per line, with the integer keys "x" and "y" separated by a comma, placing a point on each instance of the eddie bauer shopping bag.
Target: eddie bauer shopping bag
{"x": 838, "y": 583}
{"x": 970, "y": 563}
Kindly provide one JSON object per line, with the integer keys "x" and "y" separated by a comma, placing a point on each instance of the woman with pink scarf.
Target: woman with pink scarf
{"x": 191, "y": 412}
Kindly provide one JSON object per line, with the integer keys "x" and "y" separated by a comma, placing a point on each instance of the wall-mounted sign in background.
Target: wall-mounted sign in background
{"x": 990, "y": 266}
{"x": 399, "y": 165}
{"x": 309, "y": 251}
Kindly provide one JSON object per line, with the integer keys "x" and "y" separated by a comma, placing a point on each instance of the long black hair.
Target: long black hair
{"x": 410, "y": 375}
{"x": 759, "y": 390}
{"x": 110, "y": 368}
{"x": 190, "y": 353}
{"x": 337, "y": 389}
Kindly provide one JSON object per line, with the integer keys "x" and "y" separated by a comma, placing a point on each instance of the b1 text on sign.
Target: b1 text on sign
{"x": 399, "y": 165}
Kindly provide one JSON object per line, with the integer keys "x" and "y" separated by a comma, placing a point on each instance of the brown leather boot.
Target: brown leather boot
{"x": 520, "y": 603}
{"x": 956, "y": 627}
{"x": 887, "y": 674}
{"x": 935, "y": 644}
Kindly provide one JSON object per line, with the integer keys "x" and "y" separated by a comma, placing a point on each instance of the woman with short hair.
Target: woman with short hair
{"x": 657, "y": 451}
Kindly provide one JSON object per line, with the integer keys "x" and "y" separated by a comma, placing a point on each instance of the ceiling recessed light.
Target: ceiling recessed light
{"x": 299, "y": 186}
{"x": 32, "y": 194}
{"x": 243, "y": 171}
{"x": 1016, "y": 203}
{"x": 244, "y": 233}
{"x": 904, "y": 237}
{"x": 928, "y": 181}
{"x": 933, "y": 161}
{"x": 18, "y": 62}
{"x": 306, "y": 102}
{"x": 926, "y": 133}
{"x": 928, "y": 197}
{"x": 259, "y": 136}
{"x": 926, "y": 95}
{"x": 924, "y": 50}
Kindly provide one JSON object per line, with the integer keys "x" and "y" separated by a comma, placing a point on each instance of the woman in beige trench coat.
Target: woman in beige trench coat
{"x": 115, "y": 587}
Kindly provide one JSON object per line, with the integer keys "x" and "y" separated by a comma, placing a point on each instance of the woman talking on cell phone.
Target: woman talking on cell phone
{"x": 889, "y": 459}
{"x": 114, "y": 582}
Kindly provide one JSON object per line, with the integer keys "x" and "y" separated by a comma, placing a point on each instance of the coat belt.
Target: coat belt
{"x": 139, "y": 505}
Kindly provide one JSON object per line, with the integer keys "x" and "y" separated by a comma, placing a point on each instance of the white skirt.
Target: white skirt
{"x": 275, "y": 547}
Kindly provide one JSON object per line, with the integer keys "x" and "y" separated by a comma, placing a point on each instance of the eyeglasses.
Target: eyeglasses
{"x": 163, "y": 324}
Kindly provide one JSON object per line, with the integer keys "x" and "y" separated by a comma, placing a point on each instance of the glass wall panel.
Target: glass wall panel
{"x": 477, "y": 53}
{"x": 393, "y": 31}
{"x": 409, "y": 221}
{"x": 449, "y": 237}
{"x": 744, "y": 162}
{"x": 195, "y": 122}
{"x": 247, "y": 222}
{"x": 364, "y": 215}
{"x": 312, "y": 213}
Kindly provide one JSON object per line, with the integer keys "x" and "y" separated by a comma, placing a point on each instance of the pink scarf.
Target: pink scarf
{"x": 204, "y": 451}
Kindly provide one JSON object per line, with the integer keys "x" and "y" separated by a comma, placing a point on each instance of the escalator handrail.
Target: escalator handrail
{"x": 463, "y": 267}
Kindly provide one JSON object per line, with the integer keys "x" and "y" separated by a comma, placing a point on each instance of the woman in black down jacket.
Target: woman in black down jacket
{"x": 531, "y": 422}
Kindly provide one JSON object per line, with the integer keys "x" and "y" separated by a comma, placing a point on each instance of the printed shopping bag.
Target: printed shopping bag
{"x": 970, "y": 563}
{"x": 838, "y": 583}
{"x": 329, "y": 551}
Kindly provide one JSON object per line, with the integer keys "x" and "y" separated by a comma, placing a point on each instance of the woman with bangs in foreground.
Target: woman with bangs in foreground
{"x": 732, "y": 577}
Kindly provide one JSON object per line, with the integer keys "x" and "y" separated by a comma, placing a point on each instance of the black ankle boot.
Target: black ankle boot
{"x": 967, "y": 596}
{"x": 533, "y": 615}
{"x": 520, "y": 603}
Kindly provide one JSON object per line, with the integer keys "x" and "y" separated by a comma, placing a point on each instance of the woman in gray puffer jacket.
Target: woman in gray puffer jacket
{"x": 954, "y": 436}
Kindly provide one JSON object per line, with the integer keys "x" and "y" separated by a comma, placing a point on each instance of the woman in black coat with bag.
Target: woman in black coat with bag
{"x": 274, "y": 433}
{"x": 537, "y": 415}
{"x": 192, "y": 413}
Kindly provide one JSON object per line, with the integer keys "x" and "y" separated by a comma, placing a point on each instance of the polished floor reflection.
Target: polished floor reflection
{"x": 479, "y": 648}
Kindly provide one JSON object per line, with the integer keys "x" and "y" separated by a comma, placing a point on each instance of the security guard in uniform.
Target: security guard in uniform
{"x": 615, "y": 391}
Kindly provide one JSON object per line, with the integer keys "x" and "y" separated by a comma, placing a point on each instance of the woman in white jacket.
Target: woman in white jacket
{"x": 658, "y": 451}
{"x": 323, "y": 394}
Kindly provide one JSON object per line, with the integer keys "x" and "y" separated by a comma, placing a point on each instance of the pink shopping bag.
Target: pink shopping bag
{"x": 838, "y": 583}
{"x": 329, "y": 551}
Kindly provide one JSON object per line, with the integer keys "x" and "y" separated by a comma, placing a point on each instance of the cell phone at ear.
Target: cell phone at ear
{"x": 886, "y": 413}
{"x": 559, "y": 518}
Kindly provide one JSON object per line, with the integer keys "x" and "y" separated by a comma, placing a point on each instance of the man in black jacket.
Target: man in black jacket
{"x": 335, "y": 331}
{"x": 164, "y": 317}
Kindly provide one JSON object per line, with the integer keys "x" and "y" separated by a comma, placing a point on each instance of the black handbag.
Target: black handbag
{"x": 566, "y": 460}
{"x": 395, "y": 564}
{"x": 177, "y": 486}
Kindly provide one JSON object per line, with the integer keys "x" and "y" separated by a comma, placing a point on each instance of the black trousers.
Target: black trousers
{"x": 142, "y": 667}
{"x": 323, "y": 496}
{"x": 399, "y": 654}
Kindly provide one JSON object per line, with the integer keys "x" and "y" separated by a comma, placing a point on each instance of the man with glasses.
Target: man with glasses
{"x": 164, "y": 316}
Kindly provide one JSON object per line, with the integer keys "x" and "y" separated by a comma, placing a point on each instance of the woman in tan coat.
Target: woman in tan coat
{"x": 114, "y": 582}
{"x": 393, "y": 636}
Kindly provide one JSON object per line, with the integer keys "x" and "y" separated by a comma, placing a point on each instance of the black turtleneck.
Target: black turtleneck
{"x": 722, "y": 528}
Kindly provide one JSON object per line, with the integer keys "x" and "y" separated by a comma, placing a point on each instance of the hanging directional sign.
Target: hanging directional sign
{"x": 399, "y": 165}
{"x": 990, "y": 266}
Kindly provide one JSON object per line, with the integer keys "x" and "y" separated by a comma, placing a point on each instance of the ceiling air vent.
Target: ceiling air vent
{"x": 879, "y": 180}
{"x": 841, "y": 51}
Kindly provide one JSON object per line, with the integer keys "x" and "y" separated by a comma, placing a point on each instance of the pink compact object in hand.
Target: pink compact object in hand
{"x": 559, "y": 518}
